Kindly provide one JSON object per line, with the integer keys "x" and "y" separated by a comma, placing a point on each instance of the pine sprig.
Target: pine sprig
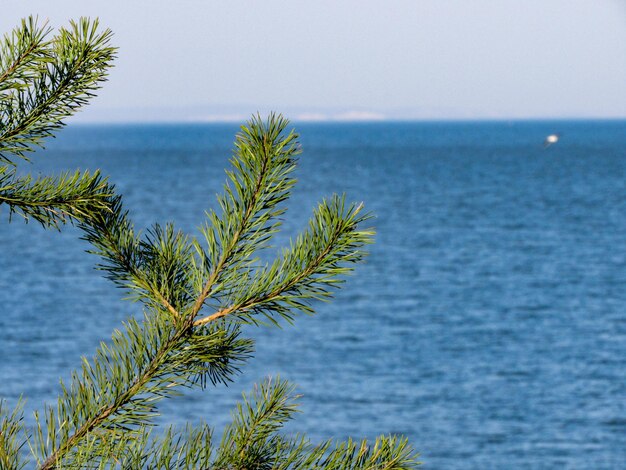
{"x": 52, "y": 201}
{"x": 115, "y": 394}
{"x": 151, "y": 267}
{"x": 44, "y": 80}
{"x": 252, "y": 439}
{"x": 250, "y": 207}
{"x": 48, "y": 81}
{"x": 22, "y": 54}
{"x": 307, "y": 271}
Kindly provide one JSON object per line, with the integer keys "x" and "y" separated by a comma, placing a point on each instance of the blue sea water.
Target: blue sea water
{"x": 488, "y": 324}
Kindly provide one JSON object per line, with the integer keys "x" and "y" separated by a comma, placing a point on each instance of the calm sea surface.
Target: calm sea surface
{"x": 488, "y": 324}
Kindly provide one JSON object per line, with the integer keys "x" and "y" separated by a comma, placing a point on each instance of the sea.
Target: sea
{"x": 487, "y": 324}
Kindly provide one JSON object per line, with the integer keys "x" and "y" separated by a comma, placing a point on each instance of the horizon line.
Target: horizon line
{"x": 89, "y": 122}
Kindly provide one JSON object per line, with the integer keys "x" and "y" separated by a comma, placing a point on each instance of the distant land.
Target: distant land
{"x": 238, "y": 113}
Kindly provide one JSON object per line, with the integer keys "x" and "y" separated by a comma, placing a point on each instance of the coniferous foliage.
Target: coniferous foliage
{"x": 44, "y": 80}
{"x": 197, "y": 292}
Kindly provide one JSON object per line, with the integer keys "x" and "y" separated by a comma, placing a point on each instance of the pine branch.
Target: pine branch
{"x": 260, "y": 181}
{"x": 150, "y": 269}
{"x": 48, "y": 81}
{"x": 22, "y": 53}
{"x": 116, "y": 393}
{"x": 159, "y": 268}
{"x": 41, "y": 83}
{"x": 54, "y": 200}
{"x": 251, "y": 440}
{"x": 314, "y": 263}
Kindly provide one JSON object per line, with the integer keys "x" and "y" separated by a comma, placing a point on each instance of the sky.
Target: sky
{"x": 206, "y": 60}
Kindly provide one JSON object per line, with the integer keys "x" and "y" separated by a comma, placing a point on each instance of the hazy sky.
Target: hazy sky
{"x": 355, "y": 58}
